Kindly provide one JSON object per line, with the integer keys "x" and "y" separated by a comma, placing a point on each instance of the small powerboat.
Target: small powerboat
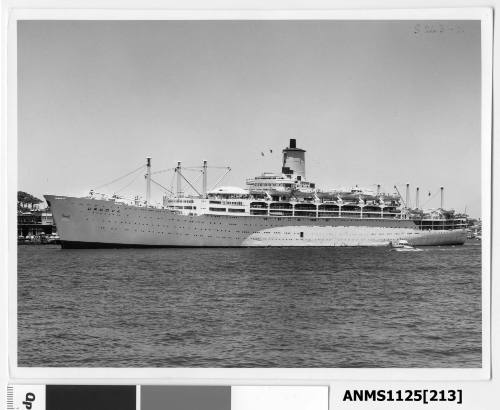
{"x": 403, "y": 246}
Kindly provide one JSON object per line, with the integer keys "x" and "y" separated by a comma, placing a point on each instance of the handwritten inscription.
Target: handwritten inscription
{"x": 437, "y": 28}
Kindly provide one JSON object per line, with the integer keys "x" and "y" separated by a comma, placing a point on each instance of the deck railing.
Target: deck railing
{"x": 326, "y": 211}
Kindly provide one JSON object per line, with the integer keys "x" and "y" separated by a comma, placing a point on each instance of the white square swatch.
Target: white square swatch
{"x": 279, "y": 398}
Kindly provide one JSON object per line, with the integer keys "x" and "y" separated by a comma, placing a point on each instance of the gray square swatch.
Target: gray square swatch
{"x": 185, "y": 398}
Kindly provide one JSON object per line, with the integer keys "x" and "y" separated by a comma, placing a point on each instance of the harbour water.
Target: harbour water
{"x": 250, "y": 307}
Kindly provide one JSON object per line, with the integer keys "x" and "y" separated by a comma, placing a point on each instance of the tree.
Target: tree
{"x": 24, "y": 199}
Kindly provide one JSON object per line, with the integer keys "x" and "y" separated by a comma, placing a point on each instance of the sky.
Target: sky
{"x": 372, "y": 102}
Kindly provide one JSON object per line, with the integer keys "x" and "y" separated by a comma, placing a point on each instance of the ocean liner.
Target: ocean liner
{"x": 275, "y": 209}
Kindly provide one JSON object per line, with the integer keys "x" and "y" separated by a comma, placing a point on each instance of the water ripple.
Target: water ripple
{"x": 269, "y": 307}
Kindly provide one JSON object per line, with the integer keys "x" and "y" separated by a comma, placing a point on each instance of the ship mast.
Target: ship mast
{"x": 204, "y": 188}
{"x": 148, "y": 180}
{"x": 179, "y": 180}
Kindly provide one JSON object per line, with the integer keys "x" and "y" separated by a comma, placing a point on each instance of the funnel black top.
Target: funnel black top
{"x": 293, "y": 146}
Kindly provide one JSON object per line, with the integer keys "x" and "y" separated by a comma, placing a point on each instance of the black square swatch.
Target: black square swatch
{"x": 90, "y": 397}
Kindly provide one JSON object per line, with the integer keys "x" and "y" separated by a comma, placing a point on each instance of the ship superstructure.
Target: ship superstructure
{"x": 275, "y": 209}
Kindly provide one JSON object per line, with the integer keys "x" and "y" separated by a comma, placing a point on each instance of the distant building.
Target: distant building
{"x": 35, "y": 223}
{"x": 46, "y": 217}
{"x": 475, "y": 228}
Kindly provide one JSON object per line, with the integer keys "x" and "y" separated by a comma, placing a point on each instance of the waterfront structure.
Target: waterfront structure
{"x": 276, "y": 209}
{"x": 35, "y": 223}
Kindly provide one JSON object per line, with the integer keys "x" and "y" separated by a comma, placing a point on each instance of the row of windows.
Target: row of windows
{"x": 103, "y": 210}
{"x": 203, "y": 218}
{"x": 255, "y": 225}
{"x": 261, "y": 235}
{"x": 181, "y": 201}
{"x": 264, "y": 212}
{"x": 272, "y": 184}
{"x": 233, "y": 210}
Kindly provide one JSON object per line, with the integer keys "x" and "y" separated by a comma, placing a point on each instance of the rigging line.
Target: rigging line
{"x": 428, "y": 199}
{"x": 126, "y": 186}
{"x": 119, "y": 178}
{"x": 191, "y": 169}
{"x": 172, "y": 182}
{"x": 161, "y": 186}
{"x": 189, "y": 183}
{"x": 162, "y": 171}
{"x": 197, "y": 178}
{"x": 200, "y": 167}
{"x": 228, "y": 169}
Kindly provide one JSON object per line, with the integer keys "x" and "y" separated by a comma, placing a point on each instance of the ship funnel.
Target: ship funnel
{"x": 442, "y": 197}
{"x": 294, "y": 162}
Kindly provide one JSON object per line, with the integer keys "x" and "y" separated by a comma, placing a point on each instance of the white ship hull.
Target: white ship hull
{"x": 85, "y": 222}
